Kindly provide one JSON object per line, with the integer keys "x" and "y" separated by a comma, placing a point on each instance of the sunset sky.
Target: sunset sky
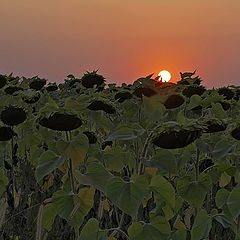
{"x": 124, "y": 39}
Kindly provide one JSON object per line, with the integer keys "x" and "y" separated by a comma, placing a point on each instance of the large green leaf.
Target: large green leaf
{"x": 127, "y": 196}
{"x": 221, "y": 197}
{"x": 100, "y": 121}
{"x": 194, "y": 191}
{"x": 61, "y": 145}
{"x": 163, "y": 189}
{"x": 116, "y": 158}
{"x": 96, "y": 176}
{"x": 180, "y": 234}
{"x": 32, "y": 139}
{"x": 126, "y": 132}
{"x": 63, "y": 203}
{"x": 161, "y": 224}
{"x": 153, "y": 108}
{"x": 183, "y": 159}
{"x": 164, "y": 160}
{"x": 206, "y": 143}
{"x": 218, "y": 110}
{"x": 135, "y": 230}
{"x": 83, "y": 202}
{"x": 158, "y": 229}
{"x": 227, "y": 212}
{"x": 233, "y": 202}
{"x": 49, "y": 214}
{"x": 195, "y": 101}
{"x": 49, "y": 161}
{"x": 76, "y": 150}
{"x": 223, "y": 148}
{"x": 226, "y": 223}
{"x": 202, "y": 226}
{"x": 91, "y": 231}
{"x": 203, "y": 146}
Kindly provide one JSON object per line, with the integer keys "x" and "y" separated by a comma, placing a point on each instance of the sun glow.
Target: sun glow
{"x": 164, "y": 76}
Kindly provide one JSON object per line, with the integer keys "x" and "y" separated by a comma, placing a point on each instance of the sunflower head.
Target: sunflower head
{"x": 92, "y": 78}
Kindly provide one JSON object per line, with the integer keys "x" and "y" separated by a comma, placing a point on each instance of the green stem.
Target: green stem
{"x": 119, "y": 227}
{"x": 144, "y": 151}
{"x": 238, "y": 224}
{"x": 101, "y": 206}
{"x": 205, "y": 170}
{"x": 137, "y": 157}
{"x": 197, "y": 173}
{"x": 197, "y": 165}
{"x": 139, "y": 112}
{"x": 71, "y": 176}
{"x": 76, "y": 233}
{"x": 12, "y": 169}
{"x": 115, "y": 208}
{"x": 70, "y": 169}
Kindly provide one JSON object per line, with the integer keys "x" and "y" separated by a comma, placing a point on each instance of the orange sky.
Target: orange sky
{"x": 125, "y": 39}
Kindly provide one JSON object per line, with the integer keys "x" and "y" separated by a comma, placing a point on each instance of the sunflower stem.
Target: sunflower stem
{"x": 197, "y": 173}
{"x": 12, "y": 169}
{"x": 139, "y": 112}
{"x": 238, "y": 224}
{"x": 100, "y": 207}
{"x": 119, "y": 226}
{"x": 70, "y": 168}
{"x": 197, "y": 165}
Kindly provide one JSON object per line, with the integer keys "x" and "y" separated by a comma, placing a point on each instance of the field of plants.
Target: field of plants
{"x": 86, "y": 160}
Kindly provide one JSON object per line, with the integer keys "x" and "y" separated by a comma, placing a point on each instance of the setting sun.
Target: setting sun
{"x": 164, "y": 76}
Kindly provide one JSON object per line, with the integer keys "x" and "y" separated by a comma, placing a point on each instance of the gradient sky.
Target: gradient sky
{"x": 124, "y": 39}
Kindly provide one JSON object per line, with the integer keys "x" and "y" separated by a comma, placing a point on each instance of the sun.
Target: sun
{"x": 164, "y": 76}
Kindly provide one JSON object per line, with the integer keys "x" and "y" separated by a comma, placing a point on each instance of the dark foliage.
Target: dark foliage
{"x": 191, "y": 90}
{"x": 226, "y": 92}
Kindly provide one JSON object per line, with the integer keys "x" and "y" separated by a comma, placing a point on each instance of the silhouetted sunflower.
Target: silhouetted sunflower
{"x": 92, "y": 78}
{"x": 100, "y": 105}
{"x": 191, "y": 90}
{"x": 107, "y": 143}
{"x": 148, "y": 92}
{"x": 214, "y": 125}
{"x": 37, "y": 83}
{"x": 236, "y": 133}
{"x": 6, "y": 133}
{"x": 52, "y": 87}
{"x": 3, "y": 80}
{"x": 173, "y": 101}
{"x": 12, "y": 89}
{"x": 226, "y": 92}
{"x": 91, "y": 137}
{"x": 122, "y": 96}
{"x": 225, "y": 105}
{"x": 176, "y": 136}
{"x": 13, "y": 115}
{"x": 61, "y": 122}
